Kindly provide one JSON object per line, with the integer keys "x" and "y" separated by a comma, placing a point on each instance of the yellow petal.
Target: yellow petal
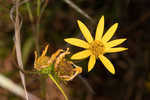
{"x": 81, "y": 55}
{"x": 91, "y": 63}
{"x": 117, "y": 49}
{"x": 86, "y": 33}
{"x": 45, "y": 50}
{"x": 115, "y": 42}
{"x": 108, "y": 35}
{"x": 109, "y": 66}
{"x": 35, "y": 53}
{"x": 100, "y": 29}
{"x": 77, "y": 42}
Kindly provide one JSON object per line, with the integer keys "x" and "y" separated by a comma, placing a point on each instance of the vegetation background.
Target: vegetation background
{"x": 50, "y": 21}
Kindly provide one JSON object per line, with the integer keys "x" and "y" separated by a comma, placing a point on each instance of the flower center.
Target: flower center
{"x": 97, "y": 48}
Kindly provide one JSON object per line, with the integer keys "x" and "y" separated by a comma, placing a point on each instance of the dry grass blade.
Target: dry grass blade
{"x": 13, "y": 8}
{"x": 14, "y": 88}
{"x": 9, "y": 85}
{"x": 70, "y": 3}
{"x": 18, "y": 24}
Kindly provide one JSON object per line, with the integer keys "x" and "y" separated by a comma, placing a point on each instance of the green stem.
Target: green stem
{"x": 38, "y": 25}
{"x": 57, "y": 84}
{"x": 37, "y": 36}
{"x": 43, "y": 8}
{"x": 29, "y": 11}
{"x": 38, "y": 7}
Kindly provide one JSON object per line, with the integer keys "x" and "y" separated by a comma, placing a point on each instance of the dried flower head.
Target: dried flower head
{"x": 64, "y": 69}
{"x": 42, "y": 61}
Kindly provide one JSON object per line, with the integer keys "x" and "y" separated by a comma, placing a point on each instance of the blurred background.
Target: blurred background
{"x": 50, "y": 21}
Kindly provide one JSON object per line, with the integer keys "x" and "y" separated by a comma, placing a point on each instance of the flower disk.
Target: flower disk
{"x": 96, "y": 48}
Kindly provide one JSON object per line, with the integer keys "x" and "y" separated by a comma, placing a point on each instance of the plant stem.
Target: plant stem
{"x": 29, "y": 11}
{"x": 38, "y": 7}
{"x": 37, "y": 35}
{"x": 57, "y": 84}
{"x": 38, "y": 25}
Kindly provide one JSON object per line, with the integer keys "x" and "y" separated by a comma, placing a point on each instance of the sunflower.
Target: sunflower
{"x": 96, "y": 48}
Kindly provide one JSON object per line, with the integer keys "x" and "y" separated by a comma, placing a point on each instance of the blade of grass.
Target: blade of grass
{"x": 18, "y": 24}
{"x": 9, "y": 85}
{"x": 78, "y": 9}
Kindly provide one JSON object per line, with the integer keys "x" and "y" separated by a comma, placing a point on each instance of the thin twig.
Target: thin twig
{"x": 78, "y": 9}
{"x": 85, "y": 82}
{"x": 43, "y": 7}
{"x": 28, "y": 72}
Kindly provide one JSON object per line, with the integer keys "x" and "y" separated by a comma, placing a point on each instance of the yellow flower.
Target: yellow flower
{"x": 98, "y": 47}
